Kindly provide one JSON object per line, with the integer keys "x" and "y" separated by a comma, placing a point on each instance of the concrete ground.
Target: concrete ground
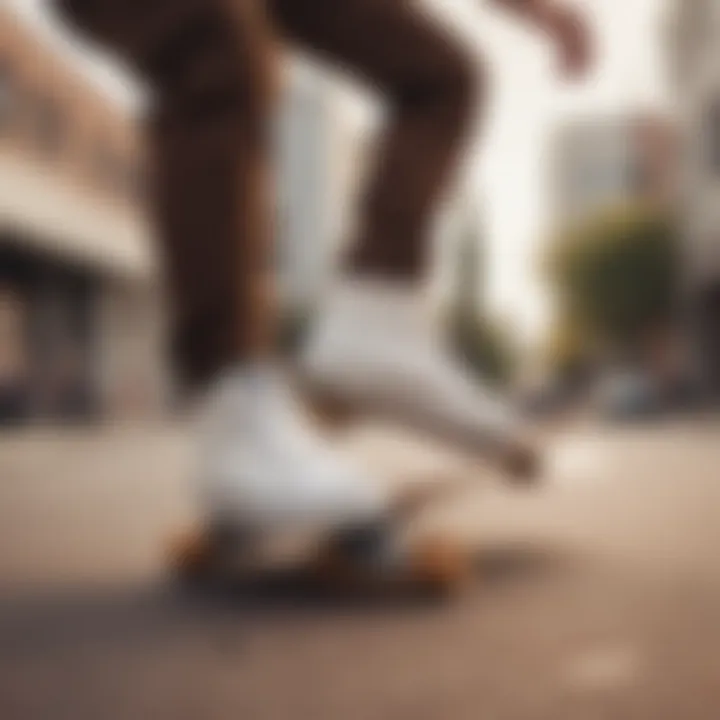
{"x": 596, "y": 597}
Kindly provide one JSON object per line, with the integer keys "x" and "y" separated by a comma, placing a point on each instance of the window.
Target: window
{"x": 7, "y": 95}
{"x": 48, "y": 124}
{"x": 712, "y": 138}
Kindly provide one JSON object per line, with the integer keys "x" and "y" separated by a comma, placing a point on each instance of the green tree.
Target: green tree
{"x": 615, "y": 276}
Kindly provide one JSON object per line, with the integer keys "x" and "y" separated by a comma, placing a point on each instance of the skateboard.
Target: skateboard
{"x": 378, "y": 558}
{"x": 350, "y": 559}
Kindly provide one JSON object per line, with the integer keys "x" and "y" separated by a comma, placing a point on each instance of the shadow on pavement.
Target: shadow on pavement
{"x": 166, "y": 613}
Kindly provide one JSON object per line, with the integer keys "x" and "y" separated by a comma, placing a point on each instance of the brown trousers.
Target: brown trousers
{"x": 210, "y": 64}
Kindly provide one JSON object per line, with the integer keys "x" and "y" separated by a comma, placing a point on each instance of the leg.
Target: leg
{"x": 431, "y": 85}
{"x": 208, "y": 64}
{"x": 374, "y": 348}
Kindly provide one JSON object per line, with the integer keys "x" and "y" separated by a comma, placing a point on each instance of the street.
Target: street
{"x": 596, "y": 596}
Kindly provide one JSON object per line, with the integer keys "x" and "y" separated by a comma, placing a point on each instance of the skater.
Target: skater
{"x": 210, "y": 65}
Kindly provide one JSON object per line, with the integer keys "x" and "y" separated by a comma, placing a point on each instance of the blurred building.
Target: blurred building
{"x": 693, "y": 35}
{"x": 79, "y": 305}
{"x": 602, "y": 161}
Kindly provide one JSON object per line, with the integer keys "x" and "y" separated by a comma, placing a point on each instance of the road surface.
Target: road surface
{"x": 597, "y": 597}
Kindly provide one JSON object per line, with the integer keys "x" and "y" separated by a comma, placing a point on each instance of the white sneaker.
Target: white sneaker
{"x": 376, "y": 349}
{"x": 262, "y": 468}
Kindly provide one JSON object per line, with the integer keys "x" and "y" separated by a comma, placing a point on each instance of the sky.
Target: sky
{"x": 506, "y": 165}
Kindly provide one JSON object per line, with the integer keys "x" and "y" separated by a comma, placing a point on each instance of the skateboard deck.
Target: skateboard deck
{"x": 377, "y": 558}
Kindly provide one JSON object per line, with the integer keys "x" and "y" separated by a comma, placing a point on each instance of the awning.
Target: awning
{"x": 52, "y": 215}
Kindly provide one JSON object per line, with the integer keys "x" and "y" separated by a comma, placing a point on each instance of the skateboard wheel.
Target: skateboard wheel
{"x": 439, "y": 566}
{"x": 191, "y": 555}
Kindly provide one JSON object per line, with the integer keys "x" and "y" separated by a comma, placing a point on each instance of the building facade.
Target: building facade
{"x": 73, "y": 244}
{"x": 604, "y": 161}
{"x": 693, "y": 39}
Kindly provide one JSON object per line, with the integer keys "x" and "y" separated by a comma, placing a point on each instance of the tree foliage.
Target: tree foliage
{"x": 484, "y": 346}
{"x": 616, "y": 275}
